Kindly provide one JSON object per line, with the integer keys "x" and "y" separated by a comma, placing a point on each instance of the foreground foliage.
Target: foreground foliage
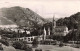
{"x": 22, "y": 46}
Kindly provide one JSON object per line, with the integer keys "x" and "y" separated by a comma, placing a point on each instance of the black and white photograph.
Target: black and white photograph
{"x": 39, "y": 25}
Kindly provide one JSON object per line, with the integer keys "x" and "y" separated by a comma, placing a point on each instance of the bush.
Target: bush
{"x": 75, "y": 45}
{"x": 38, "y": 49}
{"x": 1, "y": 48}
{"x": 61, "y": 44}
{"x": 25, "y": 42}
{"x": 22, "y": 46}
{"x": 35, "y": 43}
{"x": 28, "y": 48}
{"x": 17, "y": 45}
{"x": 3, "y": 41}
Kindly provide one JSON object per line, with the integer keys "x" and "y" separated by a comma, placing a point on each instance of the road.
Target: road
{"x": 45, "y": 48}
{"x": 8, "y": 48}
{"x": 56, "y": 48}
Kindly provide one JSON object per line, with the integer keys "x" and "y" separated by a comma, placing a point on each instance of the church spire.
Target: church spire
{"x": 54, "y": 22}
{"x": 53, "y": 25}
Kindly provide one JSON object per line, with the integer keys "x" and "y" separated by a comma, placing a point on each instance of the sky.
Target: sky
{"x": 46, "y": 8}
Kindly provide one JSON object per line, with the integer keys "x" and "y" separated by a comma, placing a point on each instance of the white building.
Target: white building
{"x": 61, "y": 31}
{"x": 27, "y": 39}
{"x": 8, "y": 26}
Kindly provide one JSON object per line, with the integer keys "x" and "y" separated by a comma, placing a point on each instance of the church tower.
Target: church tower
{"x": 54, "y": 22}
{"x": 53, "y": 25}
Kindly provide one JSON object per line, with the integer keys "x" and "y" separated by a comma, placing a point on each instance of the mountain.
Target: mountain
{"x": 21, "y": 16}
{"x": 5, "y": 21}
{"x": 51, "y": 19}
{"x": 72, "y": 22}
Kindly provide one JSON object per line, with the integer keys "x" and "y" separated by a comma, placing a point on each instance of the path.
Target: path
{"x": 8, "y": 48}
{"x": 56, "y": 48}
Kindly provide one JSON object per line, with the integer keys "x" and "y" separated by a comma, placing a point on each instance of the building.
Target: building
{"x": 56, "y": 30}
{"x": 28, "y": 39}
{"x": 61, "y": 31}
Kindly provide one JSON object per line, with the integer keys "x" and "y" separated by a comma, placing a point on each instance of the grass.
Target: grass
{"x": 50, "y": 48}
{"x": 55, "y": 48}
{"x": 75, "y": 45}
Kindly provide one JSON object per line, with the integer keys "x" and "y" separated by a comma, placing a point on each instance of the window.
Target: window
{"x": 15, "y": 39}
{"x": 22, "y": 39}
{"x": 28, "y": 39}
{"x": 19, "y": 39}
{"x": 31, "y": 39}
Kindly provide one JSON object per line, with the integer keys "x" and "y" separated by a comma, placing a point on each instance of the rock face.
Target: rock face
{"x": 20, "y": 16}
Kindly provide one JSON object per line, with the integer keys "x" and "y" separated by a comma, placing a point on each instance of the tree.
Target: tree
{"x": 21, "y": 45}
{"x": 5, "y": 42}
{"x": 17, "y": 45}
{"x": 74, "y": 35}
{"x": 35, "y": 42}
{"x": 60, "y": 22}
{"x": 28, "y": 48}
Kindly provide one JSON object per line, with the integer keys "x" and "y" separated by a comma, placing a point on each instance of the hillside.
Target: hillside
{"x": 5, "y": 21}
{"x": 21, "y": 16}
{"x": 71, "y": 22}
{"x": 51, "y": 19}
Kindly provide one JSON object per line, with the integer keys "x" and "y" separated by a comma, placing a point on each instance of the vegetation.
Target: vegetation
{"x": 22, "y": 16}
{"x": 5, "y": 42}
{"x": 28, "y": 48}
{"x": 17, "y": 45}
{"x": 1, "y": 48}
{"x": 73, "y": 24}
{"x": 35, "y": 42}
{"x": 74, "y": 35}
{"x": 21, "y": 45}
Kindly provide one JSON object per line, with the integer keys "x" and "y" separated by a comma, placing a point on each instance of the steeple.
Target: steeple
{"x": 54, "y": 22}
{"x": 53, "y": 25}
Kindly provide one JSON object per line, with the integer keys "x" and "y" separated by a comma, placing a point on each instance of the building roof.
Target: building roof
{"x": 61, "y": 27}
